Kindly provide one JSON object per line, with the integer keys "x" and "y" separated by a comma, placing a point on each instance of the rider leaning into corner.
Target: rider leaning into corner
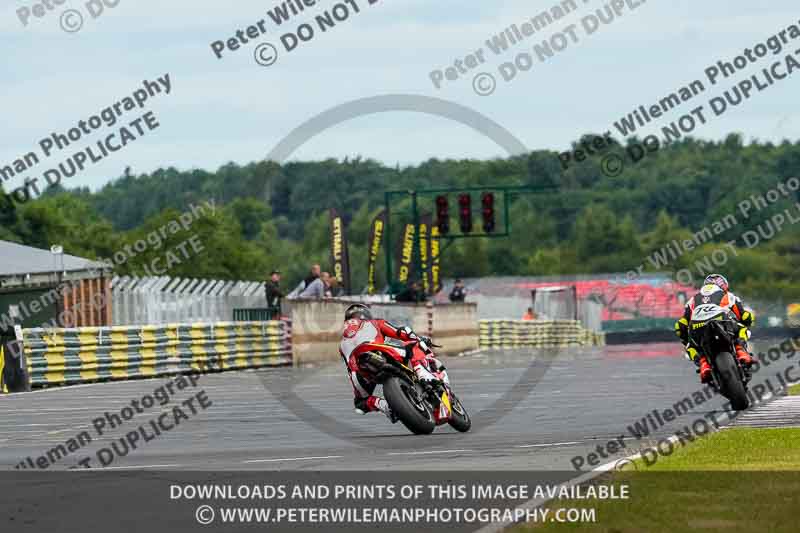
{"x": 715, "y": 291}
{"x": 361, "y": 329}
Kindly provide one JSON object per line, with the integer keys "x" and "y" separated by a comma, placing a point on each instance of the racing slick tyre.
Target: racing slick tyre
{"x": 730, "y": 382}
{"x": 459, "y": 418}
{"x": 408, "y": 406}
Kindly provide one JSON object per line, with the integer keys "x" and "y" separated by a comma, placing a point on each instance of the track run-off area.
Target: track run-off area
{"x": 534, "y": 409}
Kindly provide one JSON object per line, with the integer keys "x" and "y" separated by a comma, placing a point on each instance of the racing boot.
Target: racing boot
{"x": 743, "y": 356}
{"x": 374, "y": 403}
{"x": 746, "y": 360}
{"x": 704, "y": 369}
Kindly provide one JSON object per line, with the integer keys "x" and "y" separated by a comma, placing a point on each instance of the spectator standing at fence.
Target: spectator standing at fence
{"x": 330, "y": 288}
{"x": 313, "y": 274}
{"x": 329, "y": 282}
{"x": 305, "y": 283}
{"x": 459, "y": 292}
{"x": 335, "y": 289}
{"x": 529, "y": 314}
{"x": 272, "y": 288}
{"x": 318, "y": 288}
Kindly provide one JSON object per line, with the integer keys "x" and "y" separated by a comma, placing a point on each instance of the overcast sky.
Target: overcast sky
{"x": 236, "y": 110}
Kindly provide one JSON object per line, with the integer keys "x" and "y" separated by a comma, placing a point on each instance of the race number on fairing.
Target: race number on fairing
{"x": 706, "y": 312}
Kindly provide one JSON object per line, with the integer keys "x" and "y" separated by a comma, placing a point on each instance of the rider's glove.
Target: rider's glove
{"x": 429, "y": 342}
{"x": 691, "y": 354}
{"x": 744, "y": 333}
{"x": 424, "y": 344}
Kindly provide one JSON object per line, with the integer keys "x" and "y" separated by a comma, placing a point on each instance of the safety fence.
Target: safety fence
{"x": 160, "y": 300}
{"x": 81, "y": 355}
{"x": 536, "y": 334}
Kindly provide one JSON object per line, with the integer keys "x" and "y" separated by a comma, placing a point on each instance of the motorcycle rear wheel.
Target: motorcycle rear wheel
{"x": 731, "y": 384}
{"x": 408, "y": 405}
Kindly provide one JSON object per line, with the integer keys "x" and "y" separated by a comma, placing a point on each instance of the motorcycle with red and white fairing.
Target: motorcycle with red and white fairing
{"x": 419, "y": 405}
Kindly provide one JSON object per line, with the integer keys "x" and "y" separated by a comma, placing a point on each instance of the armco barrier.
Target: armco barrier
{"x": 536, "y": 334}
{"x": 79, "y": 355}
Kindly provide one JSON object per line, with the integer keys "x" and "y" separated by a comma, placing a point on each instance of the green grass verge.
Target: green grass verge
{"x": 719, "y": 483}
{"x": 737, "y": 449}
{"x": 794, "y": 390}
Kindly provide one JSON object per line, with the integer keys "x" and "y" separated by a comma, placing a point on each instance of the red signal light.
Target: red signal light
{"x": 487, "y": 199}
{"x": 465, "y": 211}
{"x": 443, "y": 215}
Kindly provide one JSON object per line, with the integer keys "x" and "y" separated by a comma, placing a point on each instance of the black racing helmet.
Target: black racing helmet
{"x": 360, "y": 311}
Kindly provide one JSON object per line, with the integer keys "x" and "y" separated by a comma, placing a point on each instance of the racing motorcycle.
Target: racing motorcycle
{"x": 419, "y": 405}
{"x": 713, "y": 330}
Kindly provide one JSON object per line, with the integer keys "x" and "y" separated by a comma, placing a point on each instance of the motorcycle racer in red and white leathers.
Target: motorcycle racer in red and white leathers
{"x": 361, "y": 330}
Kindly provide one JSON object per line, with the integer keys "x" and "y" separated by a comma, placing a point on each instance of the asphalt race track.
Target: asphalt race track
{"x": 532, "y": 410}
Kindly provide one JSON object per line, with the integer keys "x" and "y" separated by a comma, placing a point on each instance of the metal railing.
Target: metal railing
{"x": 163, "y": 300}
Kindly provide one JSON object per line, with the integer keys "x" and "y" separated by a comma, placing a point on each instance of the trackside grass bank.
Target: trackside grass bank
{"x": 734, "y": 480}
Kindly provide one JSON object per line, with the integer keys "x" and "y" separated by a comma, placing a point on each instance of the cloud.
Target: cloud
{"x": 233, "y": 109}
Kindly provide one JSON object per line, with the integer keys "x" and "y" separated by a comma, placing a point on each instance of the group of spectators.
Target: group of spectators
{"x": 317, "y": 285}
{"x": 414, "y": 293}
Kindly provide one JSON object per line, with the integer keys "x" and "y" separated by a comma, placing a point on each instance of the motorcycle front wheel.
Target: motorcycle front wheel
{"x": 407, "y": 404}
{"x": 459, "y": 418}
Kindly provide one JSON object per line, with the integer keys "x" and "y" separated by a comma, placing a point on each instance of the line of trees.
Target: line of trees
{"x": 275, "y": 216}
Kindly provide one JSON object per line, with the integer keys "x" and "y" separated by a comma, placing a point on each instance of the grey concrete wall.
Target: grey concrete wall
{"x": 455, "y": 327}
{"x": 317, "y": 326}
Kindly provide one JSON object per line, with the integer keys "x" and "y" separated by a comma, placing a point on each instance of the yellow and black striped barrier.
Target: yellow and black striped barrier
{"x": 89, "y": 354}
{"x": 536, "y": 334}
